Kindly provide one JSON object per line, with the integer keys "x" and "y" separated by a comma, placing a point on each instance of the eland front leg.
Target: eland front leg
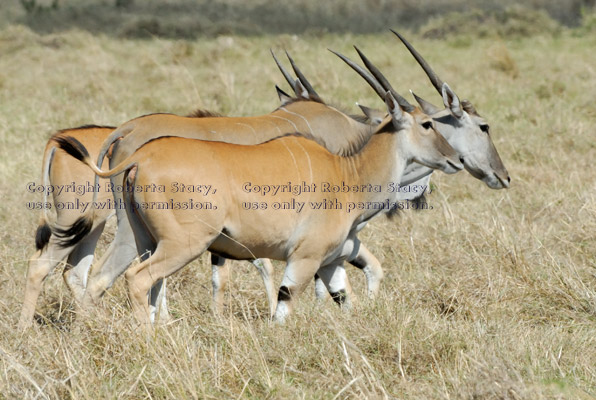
{"x": 296, "y": 276}
{"x": 370, "y": 265}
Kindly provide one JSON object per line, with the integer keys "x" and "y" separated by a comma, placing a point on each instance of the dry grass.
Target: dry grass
{"x": 490, "y": 295}
{"x": 502, "y": 60}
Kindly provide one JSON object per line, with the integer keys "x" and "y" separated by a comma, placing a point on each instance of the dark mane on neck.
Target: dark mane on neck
{"x": 297, "y": 134}
{"x": 357, "y": 142}
{"x": 297, "y": 100}
{"x": 361, "y": 118}
{"x": 198, "y": 113}
{"x": 350, "y": 150}
{"x": 201, "y": 113}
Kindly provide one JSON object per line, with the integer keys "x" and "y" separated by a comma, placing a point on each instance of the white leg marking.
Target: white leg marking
{"x": 335, "y": 276}
{"x": 281, "y": 312}
{"x": 320, "y": 289}
{"x": 215, "y": 278}
{"x": 83, "y": 269}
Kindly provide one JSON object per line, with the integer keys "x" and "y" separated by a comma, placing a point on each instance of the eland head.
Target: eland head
{"x": 464, "y": 128}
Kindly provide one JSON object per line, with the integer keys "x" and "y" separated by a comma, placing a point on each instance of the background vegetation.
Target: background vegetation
{"x": 489, "y": 295}
{"x": 201, "y": 18}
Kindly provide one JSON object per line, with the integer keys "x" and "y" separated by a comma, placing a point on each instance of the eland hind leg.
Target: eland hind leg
{"x": 79, "y": 261}
{"x": 265, "y": 268}
{"x": 166, "y": 260}
{"x": 220, "y": 272}
{"x": 40, "y": 265}
{"x": 146, "y": 246}
{"x": 220, "y": 278}
{"x": 113, "y": 263}
{"x": 321, "y": 292}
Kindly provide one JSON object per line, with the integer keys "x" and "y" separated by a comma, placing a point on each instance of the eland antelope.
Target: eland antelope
{"x": 229, "y": 224}
{"x": 459, "y": 122}
{"x": 71, "y": 186}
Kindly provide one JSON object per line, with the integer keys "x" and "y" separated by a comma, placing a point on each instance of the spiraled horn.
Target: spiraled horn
{"x": 284, "y": 72}
{"x": 434, "y": 78}
{"x": 364, "y": 74}
{"x": 311, "y": 91}
{"x": 384, "y": 82}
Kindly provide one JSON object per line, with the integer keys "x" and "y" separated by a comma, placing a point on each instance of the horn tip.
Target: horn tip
{"x": 337, "y": 54}
{"x": 396, "y": 33}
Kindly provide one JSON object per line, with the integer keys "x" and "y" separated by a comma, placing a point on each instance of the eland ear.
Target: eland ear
{"x": 426, "y": 106}
{"x": 301, "y": 91}
{"x": 451, "y": 101}
{"x": 284, "y": 98}
{"x": 375, "y": 116}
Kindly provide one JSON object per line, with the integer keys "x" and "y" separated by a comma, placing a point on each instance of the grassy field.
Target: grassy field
{"x": 489, "y": 295}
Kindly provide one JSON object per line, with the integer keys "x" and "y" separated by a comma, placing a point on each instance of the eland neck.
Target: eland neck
{"x": 338, "y": 132}
{"x": 380, "y": 162}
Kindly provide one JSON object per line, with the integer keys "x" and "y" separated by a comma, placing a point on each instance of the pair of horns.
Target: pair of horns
{"x": 378, "y": 81}
{"x": 375, "y": 79}
{"x": 312, "y": 94}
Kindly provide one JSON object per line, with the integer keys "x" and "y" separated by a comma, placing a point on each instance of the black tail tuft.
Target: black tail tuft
{"x": 392, "y": 213}
{"x": 74, "y": 234}
{"x": 42, "y": 236}
{"x": 72, "y": 146}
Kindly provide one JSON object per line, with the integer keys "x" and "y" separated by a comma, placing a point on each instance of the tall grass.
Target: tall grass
{"x": 489, "y": 295}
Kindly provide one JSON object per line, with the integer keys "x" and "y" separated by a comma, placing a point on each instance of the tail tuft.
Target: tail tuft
{"x": 74, "y": 234}
{"x": 42, "y": 236}
{"x": 73, "y": 147}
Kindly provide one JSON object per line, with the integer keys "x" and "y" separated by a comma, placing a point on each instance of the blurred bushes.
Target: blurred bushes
{"x": 195, "y": 18}
{"x": 588, "y": 24}
{"x": 514, "y": 21}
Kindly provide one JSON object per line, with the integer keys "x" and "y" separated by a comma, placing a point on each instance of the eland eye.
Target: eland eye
{"x": 484, "y": 128}
{"x": 427, "y": 125}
